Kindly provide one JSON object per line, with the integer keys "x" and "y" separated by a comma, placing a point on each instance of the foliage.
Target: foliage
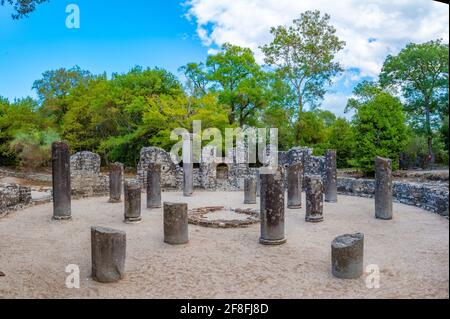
{"x": 380, "y": 130}
{"x": 303, "y": 54}
{"x": 420, "y": 72}
{"x": 22, "y": 7}
{"x": 34, "y": 147}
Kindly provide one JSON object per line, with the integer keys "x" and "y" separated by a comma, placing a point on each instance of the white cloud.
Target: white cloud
{"x": 390, "y": 24}
{"x": 336, "y": 102}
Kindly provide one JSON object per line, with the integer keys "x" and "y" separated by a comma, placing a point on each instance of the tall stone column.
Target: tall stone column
{"x": 175, "y": 223}
{"x": 383, "y": 188}
{"x": 294, "y": 180}
{"x": 314, "y": 198}
{"x": 330, "y": 176}
{"x": 115, "y": 182}
{"x": 154, "y": 185}
{"x": 61, "y": 181}
{"x": 272, "y": 208}
{"x": 250, "y": 190}
{"x": 108, "y": 249}
{"x": 258, "y": 183}
{"x": 188, "y": 166}
{"x": 132, "y": 194}
{"x": 347, "y": 253}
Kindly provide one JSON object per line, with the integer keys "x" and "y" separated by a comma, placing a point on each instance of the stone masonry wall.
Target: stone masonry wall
{"x": 13, "y": 197}
{"x": 431, "y": 197}
{"x": 85, "y": 177}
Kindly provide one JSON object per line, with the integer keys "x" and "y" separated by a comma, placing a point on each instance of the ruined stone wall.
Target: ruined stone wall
{"x": 85, "y": 177}
{"x": 13, "y": 197}
{"x": 429, "y": 196}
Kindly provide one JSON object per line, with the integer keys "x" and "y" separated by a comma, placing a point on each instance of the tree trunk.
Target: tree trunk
{"x": 299, "y": 126}
{"x": 430, "y": 158}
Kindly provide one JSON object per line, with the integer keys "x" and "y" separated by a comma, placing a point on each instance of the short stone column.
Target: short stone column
{"x": 294, "y": 181}
{"x": 272, "y": 208}
{"x": 188, "y": 167}
{"x": 383, "y": 188}
{"x": 314, "y": 198}
{"x": 115, "y": 182}
{"x": 250, "y": 190}
{"x": 347, "y": 252}
{"x": 330, "y": 186}
{"x": 108, "y": 249}
{"x": 175, "y": 223}
{"x": 132, "y": 194}
{"x": 61, "y": 181}
{"x": 154, "y": 185}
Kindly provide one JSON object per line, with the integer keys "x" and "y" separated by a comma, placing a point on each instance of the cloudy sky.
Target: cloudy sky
{"x": 113, "y": 36}
{"x": 371, "y": 30}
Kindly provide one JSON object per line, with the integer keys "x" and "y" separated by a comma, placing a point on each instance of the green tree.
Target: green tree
{"x": 380, "y": 130}
{"x": 420, "y": 71}
{"x": 55, "y": 86}
{"x": 303, "y": 54}
{"x": 22, "y": 7}
{"x": 342, "y": 139}
{"x": 239, "y": 81}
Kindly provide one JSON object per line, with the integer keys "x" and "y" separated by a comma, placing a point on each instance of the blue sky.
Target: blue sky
{"x": 113, "y": 37}
{"x": 116, "y": 35}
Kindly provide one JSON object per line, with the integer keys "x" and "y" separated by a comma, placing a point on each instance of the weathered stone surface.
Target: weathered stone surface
{"x": 272, "y": 208}
{"x": 250, "y": 190}
{"x": 258, "y": 183}
{"x": 314, "y": 198}
{"x": 175, "y": 223}
{"x": 115, "y": 182}
{"x": 61, "y": 181}
{"x": 383, "y": 188}
{"x": 294, "y": 181}
{"x": 433, "y": 197}
{"x": 154, "y": 185}
{"x": 347, "y": 253}
{"x": 132, "y": 194}
{"x": 108, "y": 249}
{"x": 86, "y": 179}
{"x": 13, "y": 197}
{"x": 188, "y": 167}
{"x": 330, "y": 179}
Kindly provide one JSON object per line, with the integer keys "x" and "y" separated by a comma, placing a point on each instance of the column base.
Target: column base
{"x": 154, "y": 206}
{"x": 272, "y": 242}
{"x": 249, "y": 203}
{"x": 114, "y": 201}
{"x": 61, "y": 217}
{"x": 314, "y": 219}
{"x": 132, "y": 220}
{"x": 383, "y": 218}
{"x": 294, "y": 206}
{"x": 331, "y": 200}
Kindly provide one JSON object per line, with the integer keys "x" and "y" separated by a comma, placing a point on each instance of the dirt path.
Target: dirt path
{"x": 412, "y": 252}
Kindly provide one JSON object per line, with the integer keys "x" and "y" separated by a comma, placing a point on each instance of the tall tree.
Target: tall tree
{"x": 239, "y": 81}
{"x": 54, "y": 87}
{"x": 22, "y": 7}
{"x": 420, "y": 71}
{"x": 303, "y": 54}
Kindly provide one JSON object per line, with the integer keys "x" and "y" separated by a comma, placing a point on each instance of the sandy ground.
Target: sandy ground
{"x": 412, "y": 252}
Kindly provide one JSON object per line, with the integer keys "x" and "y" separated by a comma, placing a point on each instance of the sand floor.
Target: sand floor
{"x": 411, "y": 251}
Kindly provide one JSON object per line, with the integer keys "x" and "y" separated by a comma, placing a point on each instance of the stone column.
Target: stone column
{"x": 272, "y": 208}
{"x": 175, "y": 223}
{"x": 383, "y": 188}
{"x": 258, "y": 183}
{"x": 108, "y": 249}
{"x": 250, "y": 190}
{"x": 347, "y": 252}
{"x": 314, "y": 198}
{"x": 154, "y": 185}
{"x": 188, "y": 167}
{"x": 61, "y": 181}
{"x": 330, "y": 176}
{"x": 294, "y": 180}
{"x": 115, "y": 182}
{"x": 132, "y": 194}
